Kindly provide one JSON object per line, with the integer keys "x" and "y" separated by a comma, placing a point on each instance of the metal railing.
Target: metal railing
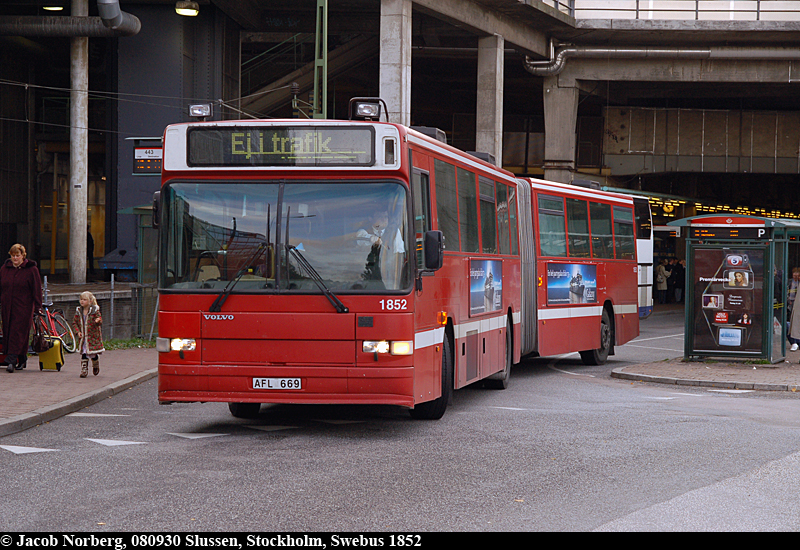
{"x": 129, "y": 310}
{"x": 681, "y": 10}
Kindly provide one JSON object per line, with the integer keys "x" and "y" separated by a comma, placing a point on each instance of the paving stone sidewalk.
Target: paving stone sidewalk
{"x": 743, "y": 375}
{"x": 30, "y": 397}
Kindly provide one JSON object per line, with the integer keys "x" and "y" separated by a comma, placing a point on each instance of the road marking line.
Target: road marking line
{"x": 193, "y": 435}
{"x": 114, "y": 442}
{"x": 655, "y": 338}
{"x": 272, "y": 428}
{"x": 95, "y": 414}
{"x": 24, "y": 450}
{"x": 651, "y": 347}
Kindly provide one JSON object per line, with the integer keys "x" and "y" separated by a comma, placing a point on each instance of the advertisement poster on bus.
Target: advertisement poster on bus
{"x": 728, "y": 294}
{"x": 485, "y": 286}
{"x": 571, "y": 284}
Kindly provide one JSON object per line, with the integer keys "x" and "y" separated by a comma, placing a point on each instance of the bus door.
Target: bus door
{"x": 428, "y": 335}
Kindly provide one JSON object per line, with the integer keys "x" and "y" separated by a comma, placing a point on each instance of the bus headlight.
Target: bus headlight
{"x": 164, "y": 345}
{"x": 400, "y": 347}
{"x": 182, "y": 344}
{"x": 375, "y": 346}
{"x": 368, "y": 110}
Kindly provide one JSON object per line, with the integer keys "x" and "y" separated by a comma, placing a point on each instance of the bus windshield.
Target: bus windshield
{"x": 346, "y": 237}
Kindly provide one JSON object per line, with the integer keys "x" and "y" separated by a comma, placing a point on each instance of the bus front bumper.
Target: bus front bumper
{"x": 259, "y": 384}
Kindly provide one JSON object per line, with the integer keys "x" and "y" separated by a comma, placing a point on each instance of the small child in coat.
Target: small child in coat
{"x": 88, "y": 327}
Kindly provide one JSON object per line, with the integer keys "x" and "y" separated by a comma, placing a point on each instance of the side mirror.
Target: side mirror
{"x": 156, "y": 209}
{"x": 434, "y": 250}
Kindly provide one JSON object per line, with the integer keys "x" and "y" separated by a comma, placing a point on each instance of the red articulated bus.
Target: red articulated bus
{"x": 361, "y": 262}
{"x": 582, "y": 263}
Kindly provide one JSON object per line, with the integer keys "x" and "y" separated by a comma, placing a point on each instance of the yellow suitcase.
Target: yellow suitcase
{"x": 52, "y": 359}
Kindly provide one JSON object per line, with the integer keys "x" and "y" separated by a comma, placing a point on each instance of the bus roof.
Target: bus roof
{"x": 579, "y": 190}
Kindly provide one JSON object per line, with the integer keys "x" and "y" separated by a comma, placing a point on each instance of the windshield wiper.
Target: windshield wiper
{"x": 217, "y": 305}
{"x": 332, "y": 298}
{"x": 264, "y": 245}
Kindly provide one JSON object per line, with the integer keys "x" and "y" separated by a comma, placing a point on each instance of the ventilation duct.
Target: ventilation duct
{"x": 558, "y": 58}
{"x": 111, "y": 23}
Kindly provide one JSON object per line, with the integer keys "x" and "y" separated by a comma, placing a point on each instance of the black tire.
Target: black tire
{"x": 64, "y": 332}
{"x": 434, "y": 410}
{"x": 244, "y": 410}
{"x": 598, "y": 356}
{"x": 499, "y": 380}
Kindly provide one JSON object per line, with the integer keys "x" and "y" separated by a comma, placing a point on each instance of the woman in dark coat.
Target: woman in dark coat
{"x": 20, "y": 296}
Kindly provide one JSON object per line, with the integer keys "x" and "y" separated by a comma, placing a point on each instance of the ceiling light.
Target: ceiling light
{"x": 187, "y": 8}
{"x": 53, "y": 8}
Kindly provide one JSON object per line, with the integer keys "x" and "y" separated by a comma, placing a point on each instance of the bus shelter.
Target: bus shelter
{"x": 736, "y": 285}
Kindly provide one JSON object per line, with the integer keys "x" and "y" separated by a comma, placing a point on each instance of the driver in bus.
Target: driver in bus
{"x": 383, "y": 246}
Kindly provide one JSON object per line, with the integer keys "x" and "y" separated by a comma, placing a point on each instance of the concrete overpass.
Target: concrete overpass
{"x": 684, "y": 98}
{"x": 652, "y": 78}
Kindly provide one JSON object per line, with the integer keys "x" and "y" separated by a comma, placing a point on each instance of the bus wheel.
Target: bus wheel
{"x": 499, "y": 380}
{"x": 244, "y": 410}
{"x": 434, "y": 410}
{"x": 598, "y": 356}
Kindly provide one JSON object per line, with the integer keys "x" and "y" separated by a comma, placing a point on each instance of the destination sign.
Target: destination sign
{"x": 281, "y": 146}
{"x": 147, "y": 160}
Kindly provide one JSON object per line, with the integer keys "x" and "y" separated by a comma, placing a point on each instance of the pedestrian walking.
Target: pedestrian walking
{"x": 791, "y": 298}
{"x": 679, "y": 272}
{"x": 671, "y": 277}
{"x": 661, "y": 281}
{"x": 88, "y": 327}
{"x": 20, "y": 296}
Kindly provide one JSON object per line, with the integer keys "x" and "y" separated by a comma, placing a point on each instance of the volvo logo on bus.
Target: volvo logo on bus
{"x": 218, "y": 317}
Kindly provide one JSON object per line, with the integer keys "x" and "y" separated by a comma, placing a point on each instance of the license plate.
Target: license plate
{"x": 277, "y": 384}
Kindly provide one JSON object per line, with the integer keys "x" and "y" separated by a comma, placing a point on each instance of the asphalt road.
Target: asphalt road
{"x": 564, "y": 448}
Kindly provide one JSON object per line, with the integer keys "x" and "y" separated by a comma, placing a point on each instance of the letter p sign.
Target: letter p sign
{"x": 761, "y": 232}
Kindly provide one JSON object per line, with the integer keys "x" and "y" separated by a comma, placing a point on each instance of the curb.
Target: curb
{"x": 51, "y": 412}
{"x": 731, "y": 385}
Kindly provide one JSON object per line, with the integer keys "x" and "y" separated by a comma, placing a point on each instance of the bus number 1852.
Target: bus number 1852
{"x": 394, "y": 305}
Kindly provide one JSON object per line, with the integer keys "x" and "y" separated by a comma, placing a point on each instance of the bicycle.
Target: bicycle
{"x": 53, "y": 323}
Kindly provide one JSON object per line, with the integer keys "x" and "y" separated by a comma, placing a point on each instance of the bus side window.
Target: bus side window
{"x": 602, "y": 238}
{"x": 488, "y": 220}
{"x": 552, "y": 232}
{"x": 502, "y": 219}
{"x": 446, "y": 203}
{"x": 624, "y": 244}
{"x": 468, "y": 211}
{"x": 578, "y": 228}
{"x": 422, "y": 212}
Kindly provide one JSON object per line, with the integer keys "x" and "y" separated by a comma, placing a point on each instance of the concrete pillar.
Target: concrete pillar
{"x": 78, "y": 148}
{"x": 489, "y": 116}
{"x": 395, "y": 59}
{"x": 560, "y": 125}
